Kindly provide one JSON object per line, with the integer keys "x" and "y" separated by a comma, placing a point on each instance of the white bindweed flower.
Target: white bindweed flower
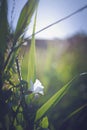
{"x": 37, "y": 87}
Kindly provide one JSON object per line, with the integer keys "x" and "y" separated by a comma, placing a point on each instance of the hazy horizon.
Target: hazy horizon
{"x": 51, "y": 11}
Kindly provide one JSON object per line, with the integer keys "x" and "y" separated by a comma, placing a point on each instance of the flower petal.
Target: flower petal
{"x": 37, "y": 83}
{"x": 37, "y": 87}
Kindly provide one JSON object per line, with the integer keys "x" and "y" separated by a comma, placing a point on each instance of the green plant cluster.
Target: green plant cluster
{"x": 19, "y": 107}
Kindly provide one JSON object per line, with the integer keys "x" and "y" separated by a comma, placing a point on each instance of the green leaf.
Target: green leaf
{"x": 25, "y": 17}
{"x": 24, "y": 66}
{"x": 31, "y": 61}
{"x": 75, "y": 112}
{"x": 44, "y": 123}
{"x": 12, "y": 59}
{"x": 19, "y": 127}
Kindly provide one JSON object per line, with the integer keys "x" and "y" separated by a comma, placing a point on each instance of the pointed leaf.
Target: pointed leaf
{"x": 44, "y": 123}
{"x": 25, "y": 17}
{"x": 75, "y": 112}
{"x": 31, "y": 61}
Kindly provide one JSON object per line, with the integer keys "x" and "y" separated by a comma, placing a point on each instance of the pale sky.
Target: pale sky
{"x": 50, "y": 11}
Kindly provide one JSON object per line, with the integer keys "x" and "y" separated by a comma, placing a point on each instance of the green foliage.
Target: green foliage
{"x": 25, "y": 17}
{"x": 44, "y": 123}
{"x": 19, "y": 102}
{"x": 13, "y": 91}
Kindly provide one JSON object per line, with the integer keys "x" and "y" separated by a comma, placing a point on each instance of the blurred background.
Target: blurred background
{"x": 57, "y": 62}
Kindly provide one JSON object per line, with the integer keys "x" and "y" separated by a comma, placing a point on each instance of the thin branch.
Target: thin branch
{"x": 18, "y": 69}
{"x": 12, "y": 12}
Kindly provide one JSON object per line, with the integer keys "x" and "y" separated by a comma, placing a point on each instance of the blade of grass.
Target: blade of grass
{"x": 75, "y": 112}
{"x": 25, "y": 17}
{"x": 31, "y": 62}
{"x": 12, "y": 59}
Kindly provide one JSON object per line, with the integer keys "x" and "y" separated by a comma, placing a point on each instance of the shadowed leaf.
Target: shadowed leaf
{"x": 75, "y": 112}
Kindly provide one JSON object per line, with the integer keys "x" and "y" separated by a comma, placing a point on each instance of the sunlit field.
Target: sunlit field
{"x": 57, "y": 62}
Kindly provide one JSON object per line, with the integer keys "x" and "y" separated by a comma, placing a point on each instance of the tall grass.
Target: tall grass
{"x": 20, "y": 90}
